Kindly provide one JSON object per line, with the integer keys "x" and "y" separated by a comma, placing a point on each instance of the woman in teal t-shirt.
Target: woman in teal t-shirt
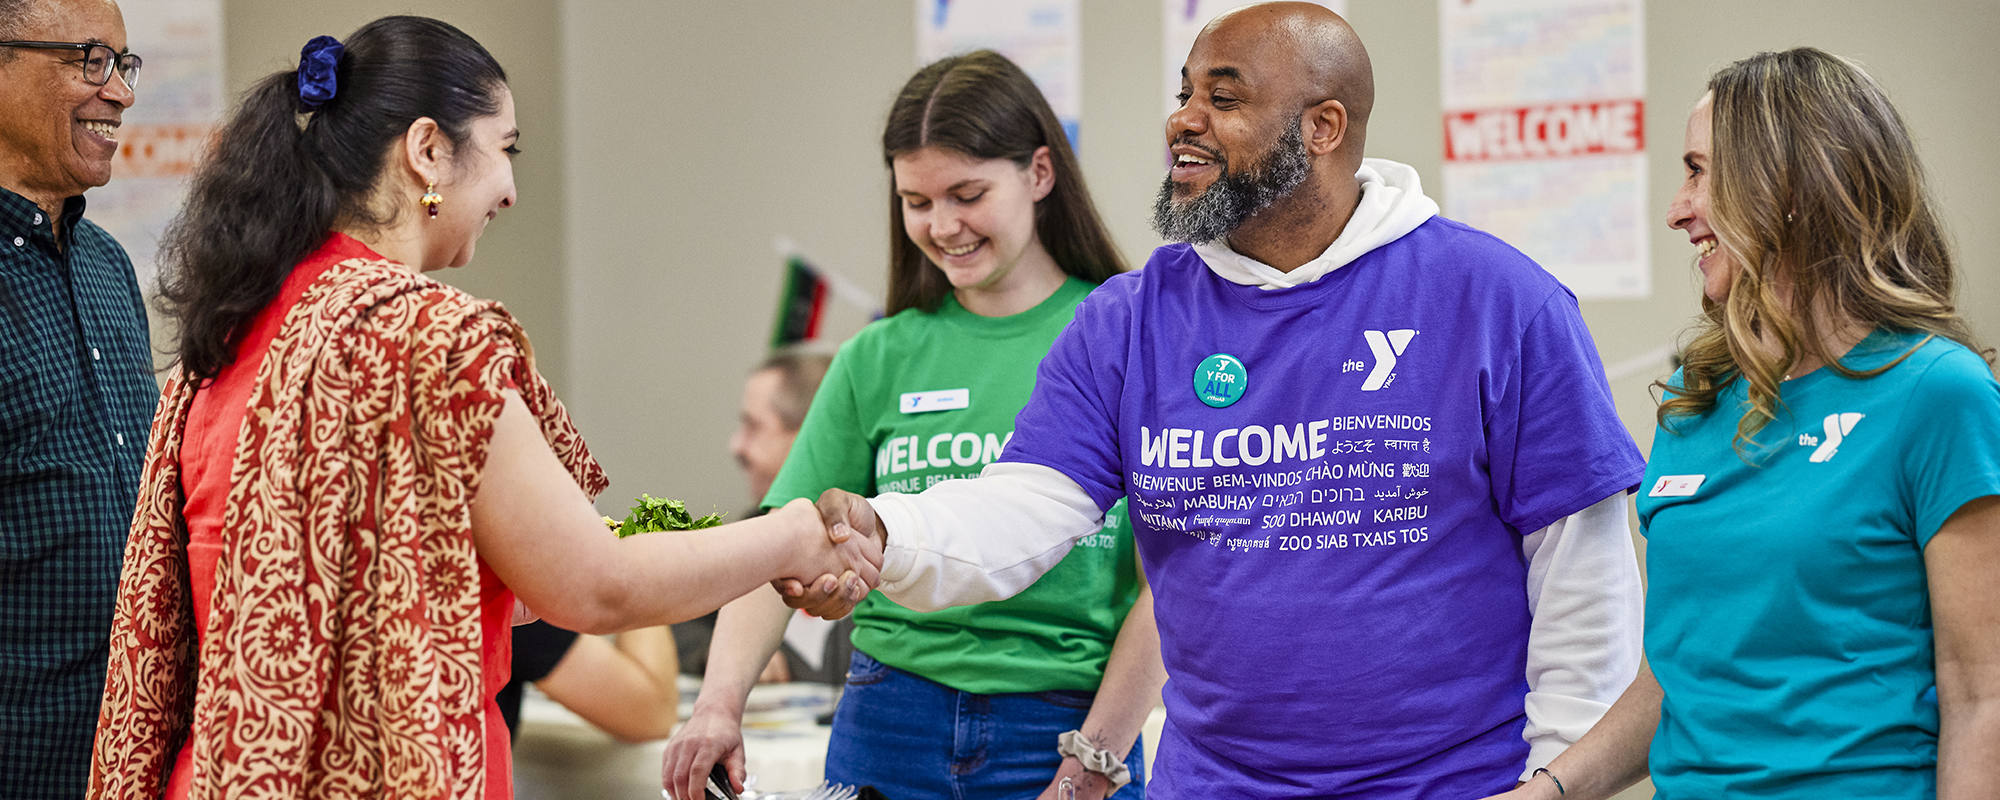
{"x": 994, "y": 244}
{"x": 1822, "y": 506}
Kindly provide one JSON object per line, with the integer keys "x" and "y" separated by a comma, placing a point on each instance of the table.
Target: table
{"x": 561, "y": 757}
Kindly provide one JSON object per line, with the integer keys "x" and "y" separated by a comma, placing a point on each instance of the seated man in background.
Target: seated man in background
{"x": 775, "y": 399}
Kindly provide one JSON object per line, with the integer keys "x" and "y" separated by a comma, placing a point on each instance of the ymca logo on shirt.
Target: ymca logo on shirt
{"x": 1385, "y": 346}
{"x": 1837, "y": 427}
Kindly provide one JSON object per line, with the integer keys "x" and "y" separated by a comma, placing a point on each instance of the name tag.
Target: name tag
{"x": 940, "y": 400}
{"x": 1676, "y": 485}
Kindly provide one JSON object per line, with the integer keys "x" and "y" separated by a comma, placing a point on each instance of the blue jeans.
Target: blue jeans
{"x": 915, "y": 739}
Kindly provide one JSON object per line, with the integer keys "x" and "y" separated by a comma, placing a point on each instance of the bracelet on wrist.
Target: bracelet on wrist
{"x": 1552, "y": 779}
{"x": 1102, "y": 762}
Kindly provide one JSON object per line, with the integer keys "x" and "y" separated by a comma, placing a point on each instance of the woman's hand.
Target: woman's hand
{"x": 849, "y": 523}
{"x": 849, "y": 520}
{"x": 1088, "y": 785}
{"x": 839, "y": 567}
{"x": 710, "y": 736}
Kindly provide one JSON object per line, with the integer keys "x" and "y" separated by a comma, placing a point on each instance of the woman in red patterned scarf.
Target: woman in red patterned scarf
{"x": 356, "y": 469}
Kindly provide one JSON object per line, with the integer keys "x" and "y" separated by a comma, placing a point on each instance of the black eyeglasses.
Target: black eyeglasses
{"x": 99, "y": 60}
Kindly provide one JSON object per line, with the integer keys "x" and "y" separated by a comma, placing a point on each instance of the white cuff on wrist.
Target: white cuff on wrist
{"x": 1102, "y": 762}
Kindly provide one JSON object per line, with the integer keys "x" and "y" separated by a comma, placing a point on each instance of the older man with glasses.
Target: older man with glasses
{"x": 76, "y": 386}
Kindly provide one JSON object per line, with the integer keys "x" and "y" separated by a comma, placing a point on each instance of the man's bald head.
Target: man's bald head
{"x": 1270, "y": 132}
{"x": 1327, "y": 56}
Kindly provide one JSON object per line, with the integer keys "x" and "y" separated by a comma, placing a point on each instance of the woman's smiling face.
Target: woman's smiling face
{"x": 479, "y": 182}
{"x": 1690, "y": 208}
{"x": 974, "y": 218}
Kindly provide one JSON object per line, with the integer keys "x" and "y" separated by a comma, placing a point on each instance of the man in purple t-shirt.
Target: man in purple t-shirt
{"x": 1375, "y": 473}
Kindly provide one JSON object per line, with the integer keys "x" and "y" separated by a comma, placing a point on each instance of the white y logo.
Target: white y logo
{"x": 1837, "y": 427}
{"x": 1385, "y": 346}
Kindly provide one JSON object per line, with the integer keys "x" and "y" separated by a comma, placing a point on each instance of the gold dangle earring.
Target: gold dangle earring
{"x": 431, "y": 199}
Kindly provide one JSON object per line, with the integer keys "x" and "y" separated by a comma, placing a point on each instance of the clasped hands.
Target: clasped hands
{"x": 854, "y": 541}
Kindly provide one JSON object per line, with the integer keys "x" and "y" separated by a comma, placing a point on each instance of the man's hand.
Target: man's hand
{"x": 836, "y": 506}
{"x": 850, "y": 522}
{"x": 848, "y": 566}
{"x": 706, "y": 738}
{"x": 1087, "y": 785}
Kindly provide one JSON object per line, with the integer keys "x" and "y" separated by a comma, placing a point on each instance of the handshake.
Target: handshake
{"x": 842, "y": 542}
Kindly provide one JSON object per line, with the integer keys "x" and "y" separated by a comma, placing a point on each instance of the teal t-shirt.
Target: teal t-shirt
{"x": 920, "y": 398}
{"x": 1788, "y": 615}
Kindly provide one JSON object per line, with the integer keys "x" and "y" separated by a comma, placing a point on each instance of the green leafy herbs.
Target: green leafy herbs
{"x": 658, "y": 514}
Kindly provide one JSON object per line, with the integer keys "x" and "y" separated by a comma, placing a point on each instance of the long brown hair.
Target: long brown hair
{"x": 981, "y": 105}
{"x": 1816, "y": 192}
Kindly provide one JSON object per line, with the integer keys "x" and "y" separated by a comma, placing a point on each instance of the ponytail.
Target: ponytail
{"x": 286, "y": 170}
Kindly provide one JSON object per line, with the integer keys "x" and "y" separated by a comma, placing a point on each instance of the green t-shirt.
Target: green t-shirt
{"x": 963, "y": 378}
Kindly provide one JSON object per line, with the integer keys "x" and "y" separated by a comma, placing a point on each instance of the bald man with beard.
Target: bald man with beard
{"x": 1376, "y": 476}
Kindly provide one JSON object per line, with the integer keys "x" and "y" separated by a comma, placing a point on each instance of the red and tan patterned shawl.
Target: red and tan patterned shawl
{"x": 342, "y": 657}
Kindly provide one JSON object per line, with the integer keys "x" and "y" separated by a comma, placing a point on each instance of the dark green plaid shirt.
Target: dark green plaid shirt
{"x": 76, "y": 404}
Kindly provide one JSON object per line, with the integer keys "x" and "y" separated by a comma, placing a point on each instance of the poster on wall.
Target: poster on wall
{"x": 1185, "y": 19}
{"x": 165, "y": 132}
{"x": 1039, "y": 35}
{"x": 1544, "y": 131}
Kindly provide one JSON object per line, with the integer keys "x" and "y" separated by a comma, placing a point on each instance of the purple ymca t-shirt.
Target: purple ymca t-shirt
{"x": 1329, "y": 485}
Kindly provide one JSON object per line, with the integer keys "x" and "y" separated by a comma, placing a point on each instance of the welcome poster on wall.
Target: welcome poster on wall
{"x": 1544, "y": 123}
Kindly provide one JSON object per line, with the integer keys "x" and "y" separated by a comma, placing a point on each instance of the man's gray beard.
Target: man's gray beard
{"x": 1234, "y": 198}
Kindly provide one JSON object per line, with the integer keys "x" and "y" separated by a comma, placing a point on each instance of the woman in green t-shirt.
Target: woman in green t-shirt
{"x": 994, "y": 242}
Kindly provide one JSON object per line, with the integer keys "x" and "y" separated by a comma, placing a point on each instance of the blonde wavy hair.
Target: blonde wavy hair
{"x": 1817, "y": 196}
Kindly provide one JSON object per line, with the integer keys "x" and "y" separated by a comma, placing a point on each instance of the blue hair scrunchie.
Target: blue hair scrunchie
{"x": 316, "y": 71}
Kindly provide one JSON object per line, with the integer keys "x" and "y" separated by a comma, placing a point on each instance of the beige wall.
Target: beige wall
{"x": 519, "y": 260}
{"x": 706, "y": 130}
